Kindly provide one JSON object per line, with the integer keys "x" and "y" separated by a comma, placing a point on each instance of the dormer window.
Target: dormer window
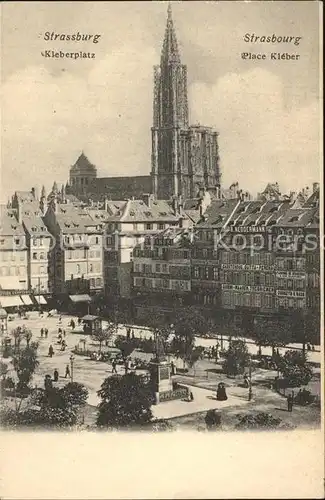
{"x": 163, "y": 214}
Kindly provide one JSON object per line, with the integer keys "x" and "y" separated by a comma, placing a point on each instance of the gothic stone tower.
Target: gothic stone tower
{"x": 184, "y": 159}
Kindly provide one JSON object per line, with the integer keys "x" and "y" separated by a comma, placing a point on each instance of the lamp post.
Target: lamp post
{"x": 71, "y": 364}
{"x": 250, "y": 380}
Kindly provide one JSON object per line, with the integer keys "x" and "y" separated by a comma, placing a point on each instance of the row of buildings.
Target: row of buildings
{"x": 234, "y": 259}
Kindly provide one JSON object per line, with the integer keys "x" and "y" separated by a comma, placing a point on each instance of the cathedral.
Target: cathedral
{"x": 184, "y": 158}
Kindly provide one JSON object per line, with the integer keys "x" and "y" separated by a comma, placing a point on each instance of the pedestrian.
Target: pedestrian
{"x": 290, "y": 401}
{"x": 190, "y": 396}
{"x": 63, "y": 345}
{"x": 67, "y": 371}
{"x": 126, "y": 366}
{"x": 46, "y": 332}
{"x": 60, "y": 319}
{"x": 128, "y": 332}
{"x": 60, "y": 330}
{"x": 51, "y": 351}
{"x": 55, "y": 375}
{"x": 42, "y": 332}
{"x": 114, "y": 370}
{"x": 172, "y": 366}
{"x": 132, "y": 334}
{"x": 246, "y": 383}
{"x": 64, "y": 333}
{"x": 221, "y": 392}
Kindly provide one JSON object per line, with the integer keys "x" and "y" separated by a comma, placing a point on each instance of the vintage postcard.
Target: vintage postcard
{"x": 161, "y": 246}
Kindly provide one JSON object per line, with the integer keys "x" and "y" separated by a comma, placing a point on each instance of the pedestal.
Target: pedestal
{"x": 160, "y": 377}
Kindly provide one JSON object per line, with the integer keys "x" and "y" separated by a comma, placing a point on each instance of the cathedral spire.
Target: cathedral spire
{"x": 170, "y": 51}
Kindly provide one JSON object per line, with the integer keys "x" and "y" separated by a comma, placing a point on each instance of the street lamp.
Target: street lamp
{"x": 71, "y": 364}
{"x": 250, "y": 380}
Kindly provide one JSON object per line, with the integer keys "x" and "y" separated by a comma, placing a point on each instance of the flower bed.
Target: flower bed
{"x": 179, "y": 393}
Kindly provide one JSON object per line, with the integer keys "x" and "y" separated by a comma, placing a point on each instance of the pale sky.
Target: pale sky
{"x": 267, "y": 112}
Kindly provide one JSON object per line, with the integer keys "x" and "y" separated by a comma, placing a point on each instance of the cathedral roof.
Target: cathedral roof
{"x": 170, "y": 51}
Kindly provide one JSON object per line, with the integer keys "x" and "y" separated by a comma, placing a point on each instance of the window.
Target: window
{"x": 41, "y": 241}
{"x": 90, "y": 268}
{"x": 196, "y": 272}
{"x": 206, "y": 273}
{"x": 96, "y": 240}
{"x": 34, "y": 256}
{"x": 135, "y": 226}
{"x": 161, "y": 225}
{"x": 164, "y": 268}
{"x": 149, "y": 226}
{"x": 78, "y": 269}
{"x": 137, "y": 268}
{"x": 42, "y": 256}
{"x": 41, "y": 270}
{"x": 157, "y": 268}
{"x": 17, "y": 241}
{"x": 215, "y": 273}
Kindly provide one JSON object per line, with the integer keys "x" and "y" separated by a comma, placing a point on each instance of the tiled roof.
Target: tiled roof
{"x": 74, "y": 220}
{"x": 299, "y": 217}
{"x": 9, "y": 225}
{"x": 139, "y": 211}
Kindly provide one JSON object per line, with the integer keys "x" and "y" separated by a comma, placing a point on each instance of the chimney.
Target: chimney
{"x": 148, "y": 199}
{"x": 315, "y": 186}
{"x": 34, "y": 192}
{"x": 106, "y": 205}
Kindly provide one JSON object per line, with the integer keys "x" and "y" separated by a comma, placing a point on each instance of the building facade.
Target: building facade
{"x": 76, "y": 260}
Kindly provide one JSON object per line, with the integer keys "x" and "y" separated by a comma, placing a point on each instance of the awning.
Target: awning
{"x": 3, "y": 313}
{"x": 26, "y": 300}
{"x": 40, "y": 299}
{"x": 11, "y": 301}
{"x": 80, "y": 298}
{"x": 89, "y": 317}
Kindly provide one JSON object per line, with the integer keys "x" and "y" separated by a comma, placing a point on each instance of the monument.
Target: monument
{"x": 160, "y": 370}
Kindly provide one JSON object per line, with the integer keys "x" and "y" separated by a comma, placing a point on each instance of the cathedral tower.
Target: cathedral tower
{"x": 184, "y": 159}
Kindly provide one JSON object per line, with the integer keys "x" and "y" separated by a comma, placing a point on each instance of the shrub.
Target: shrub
{"x": 260, "y": 420}
{"x": 212, "y": 419}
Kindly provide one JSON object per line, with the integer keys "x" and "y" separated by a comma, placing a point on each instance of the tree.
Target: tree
{"x": 17, "y": 334}
{"x": 102, "y": 335}
{"x": 25, "y": 364}
{"x": 195, "y": 355}
{"x": 294, "y": 368}
{"x": 27, "y": 335}
{"x": 236, "y": 358}
{"x": 125, "y": 346}
{"x": 269, "y": 333}
{"x": 187, "y": 323}
{"x": 126, "y": 401}
{"x": 3, "y": 369}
